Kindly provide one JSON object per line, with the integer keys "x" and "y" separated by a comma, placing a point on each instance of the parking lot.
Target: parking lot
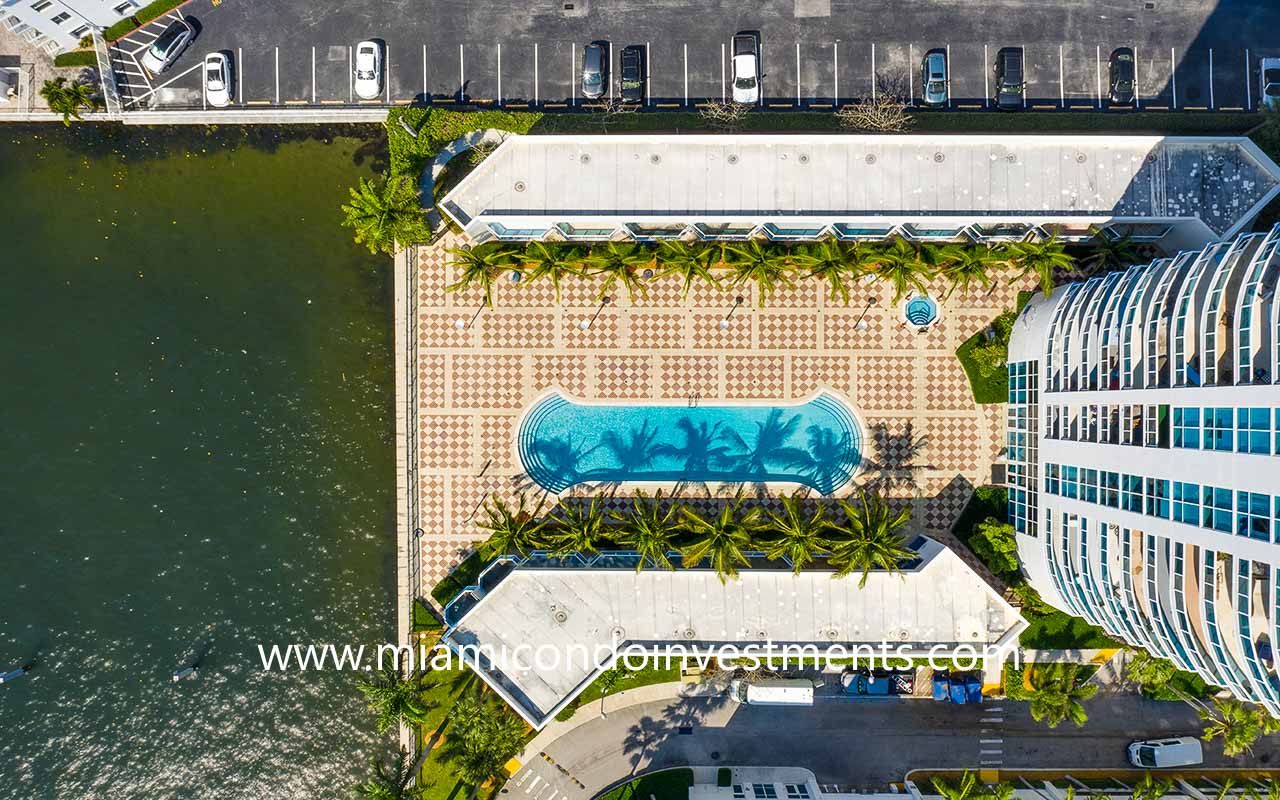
{"x": 815, "y": 54}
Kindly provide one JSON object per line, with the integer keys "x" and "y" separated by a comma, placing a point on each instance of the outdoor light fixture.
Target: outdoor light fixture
{"x": 587, "y": 323}
{"x": 737, "y": 301}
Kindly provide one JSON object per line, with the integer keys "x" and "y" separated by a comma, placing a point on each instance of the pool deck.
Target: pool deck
{"x": 472, "y": 384}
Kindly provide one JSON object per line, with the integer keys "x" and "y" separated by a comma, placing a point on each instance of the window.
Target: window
{"x": 1217, "y": 509}
{"x": 1071, "y": 482}
{"x": 764, "y": 791}
{"x": 1252, "y": 517}
{"x": 1277, "y": 450}
{"x": 41, "y": 5}
{"x": 1186, "y": 428}
{"x": 1111, "y": 489}
{"x": 1186, "y": 502}
{"x": 739, "y": 792}
{"x": 1051, "y": 479}
{"x": 845, "y": 231}
{"x": 1131, "y": 494}
{"x": 1253, "y": 430}
{"x": 1158, "y": 497}
{"x": 1090, "y": 489}
{"x": 1217, "y": 429}
{"x": 797, "y": 791}
{"x": 123, "y": 8}
{"x": 59, "y": 18}
{"x": 81, "y": 31}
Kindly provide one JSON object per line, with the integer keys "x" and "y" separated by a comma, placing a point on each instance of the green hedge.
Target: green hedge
{"x": 463, "y": 576}
{"x": 145, "y": 14}
{"x": 76, "y": 58}
{"x": 437, "y": 127}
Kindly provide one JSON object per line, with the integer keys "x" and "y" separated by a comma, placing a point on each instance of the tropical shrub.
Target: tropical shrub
{"x": 994, "y": 543}
{"x": 385, "y": 213}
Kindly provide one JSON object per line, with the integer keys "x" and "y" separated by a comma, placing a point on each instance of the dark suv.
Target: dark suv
{"x": 1122, "y": 75}
{"x": 633, "y": 74}
{"x": 1011, "y": 85}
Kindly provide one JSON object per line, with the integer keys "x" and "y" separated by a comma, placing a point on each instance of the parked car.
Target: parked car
{"x": 217, "y": 80}
{"x": 1182, "y": 751}
{"x": 633, "y": 74}
{"x": 772, "y": 691}
{"x": 168, "y": 46}
{"x": 1011, "y": 84}
{"x": 595, "y": 70}
{"x": 368, "y": 70}
{"x": 1123, "y": 73}
{"x": 1269, "y": 82}
{"x": 746, "y": 68}
{"x": 935, "y": 83}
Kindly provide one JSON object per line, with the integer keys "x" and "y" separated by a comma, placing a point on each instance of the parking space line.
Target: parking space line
{"x": 911, "y": 80}
{"x": 295, "y": 102}
{"x": 386, "y": 78}
{"x": 948, "y": 75}
{"x": 797, "y": 73}
{"x": 556, "y": 105}
{"x": 1137, "y": 80}
{"x": 1248, "y": 83}
{"x": 535, "y": 72}
{"x": 331, "y": 102}
{"x": 724, "y": 91}
{"x": 835, "y": 68}
{"x": 873, "y": 72}
{"x": 573, "y": 78}
{"x": 313, "y": 73}
{"x": 1062, "y": 84}
{"x": 277, "y": 76}
{"x": 351, "y": 80}
{"x": 1211, "y": 103}
{"x": 1025, "y": 81}
{"x": 686, "y": 75}
{"x": 239, "y": 76}
{"x": 424, "y": 72}
{"x": 1098, "y": 54}
{"x": 648, "y": 74}
{"x": 258, "y": 103}
{"x": 462, "y": 75}
{"x": 611, "y": 71}
{"x": 1232, "y": 108}
{"x": 986, "y": 77}
{"x": 1173, "y": 74}
{"x": 155, "y": 89}
{"x": 499, "y": 73}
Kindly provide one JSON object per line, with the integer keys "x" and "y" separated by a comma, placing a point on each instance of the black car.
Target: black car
{"x": 633, "y": 74}
{"x": 1123, "y": 72}
{"x": 1011, "y": 84}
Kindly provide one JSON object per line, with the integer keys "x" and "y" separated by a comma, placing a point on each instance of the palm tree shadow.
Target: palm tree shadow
{"x": 643, "y": 738}
{"x": 701, "y": 453}
{"x": 768, "y": 446}
{"x": 894, "y": 463}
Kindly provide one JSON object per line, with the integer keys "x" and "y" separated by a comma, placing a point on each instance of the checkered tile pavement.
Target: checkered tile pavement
{"x": 923, "y": 433}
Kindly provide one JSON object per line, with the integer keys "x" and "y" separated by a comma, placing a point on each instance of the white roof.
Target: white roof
{"x": 940, "y": 601}
{"x": 724, "y": 177}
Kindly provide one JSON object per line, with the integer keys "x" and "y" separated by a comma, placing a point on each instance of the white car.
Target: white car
{"x": 1269, "y": 82}
{"x": 368, "y": 70}
{"x": 217, "y": 80}
{"x": 746, "y": 68}
{"x": 1182, "y": 751}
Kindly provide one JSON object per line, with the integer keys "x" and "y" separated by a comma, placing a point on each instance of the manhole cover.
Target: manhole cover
{"x": 938, "y": 158}
{"x": 337, "y": 52}
{"x": 871, "y": 158}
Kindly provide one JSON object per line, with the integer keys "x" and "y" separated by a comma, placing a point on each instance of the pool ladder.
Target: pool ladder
{"x": 693, "y": 400}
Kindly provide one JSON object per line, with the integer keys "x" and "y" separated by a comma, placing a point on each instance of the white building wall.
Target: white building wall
{"x": 58, "y": 25}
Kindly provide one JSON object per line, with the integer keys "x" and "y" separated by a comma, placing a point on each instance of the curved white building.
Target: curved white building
{"x": 1144, "y": 457}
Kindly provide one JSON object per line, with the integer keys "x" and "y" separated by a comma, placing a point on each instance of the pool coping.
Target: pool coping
{"x": 715, "y": 488}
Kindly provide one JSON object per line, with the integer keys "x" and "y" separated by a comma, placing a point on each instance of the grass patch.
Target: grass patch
{"x": 1059, "y": 631}
{"x": 654, "y": 671}
{"x": 436, "y": 127}
{"x": 76, "y": 58}
{"x": 465, "y": 575}
{"x": 423, "y": 619}
{"x": 436, "y": 775}
{"x": 145, "y": 14}
{"x": 670, "y": 784}
{"x": 987, "y": 389}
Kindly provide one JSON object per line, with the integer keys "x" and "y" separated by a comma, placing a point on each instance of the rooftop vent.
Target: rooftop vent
{"x": 733, "y": 158}
{"x": 519, "y": 186}
{"x": 655, "y": 158}
{"x": 584, "y": 158}
{"x": 804, "y": 158}
{"x": 938, "y": 158}
{"x": 871, "y": 158}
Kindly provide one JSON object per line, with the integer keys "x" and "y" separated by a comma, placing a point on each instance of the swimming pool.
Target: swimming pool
{"x": 921, "y": 310}
{"x": 816, "y": 443}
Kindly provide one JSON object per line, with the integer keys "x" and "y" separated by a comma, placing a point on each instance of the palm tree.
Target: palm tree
{"x": 391, "y": 781}
{"x": 385, "y": 213}
{"x": 650, "y": 529}
{"x": 67, "y": 98}
{"x": 511, "y": 531}
{"x": 870, "y": 539}
{"x": 579, "y": 528}
{"x": 552, "y": 261}
{"x": 900, "y": 263}
{"x": 798, "y": 534}
{"x": 690, "y": 262}
{"x": 480, "y": 265}
{"x": 964, "y": 265}
{"x": 722, "y": 538}
{"x": 1150, "y": 673}
{"x": 1041, "y": 259}
{"x": 1238, "y": 724}
{"x": 829, "y": 260}
{"x": 966, "y": 788}
{"x": 759, "y": 263}
{"x": 394, "y": 698}
{"x": 619, "y": 262}
{"x": 1054, "y": 694}
{"x": 1107, "y": 253}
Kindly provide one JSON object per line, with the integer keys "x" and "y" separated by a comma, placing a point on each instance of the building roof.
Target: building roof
{"x": 1220, "y": 180}
{"x": 939, "y": 600}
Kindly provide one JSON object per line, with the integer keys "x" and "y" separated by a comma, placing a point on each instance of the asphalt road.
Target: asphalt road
{"x": 856, "y": 744}
{"x": 1191, "y": 53}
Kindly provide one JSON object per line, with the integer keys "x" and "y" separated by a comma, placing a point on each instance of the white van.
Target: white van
{"x": 1184, "y": 751}
{"x": 773, "y": 692}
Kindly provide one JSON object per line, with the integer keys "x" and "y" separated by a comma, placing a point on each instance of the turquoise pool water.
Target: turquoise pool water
{"x": 817, "y": 444}
{"x": 921, "y": 310}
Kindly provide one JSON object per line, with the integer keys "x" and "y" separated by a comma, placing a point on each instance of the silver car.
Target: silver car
{"x": 168, "y": 46}
{"x": 934, "y": 81}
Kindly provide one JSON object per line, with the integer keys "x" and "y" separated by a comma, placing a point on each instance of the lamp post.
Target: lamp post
{"x": 587, "y": 323}
{"x": 861, "y": 323}
{"x": 737, "y": 301}
{"x": 462, "y": 326}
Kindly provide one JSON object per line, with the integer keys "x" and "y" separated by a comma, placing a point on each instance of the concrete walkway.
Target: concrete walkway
{"x": 458, "y": 146}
